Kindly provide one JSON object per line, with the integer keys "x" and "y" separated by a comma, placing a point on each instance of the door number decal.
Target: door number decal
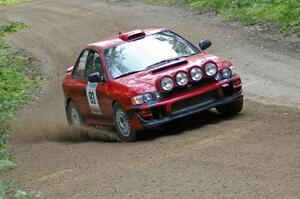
{"x": 92, "y": 98}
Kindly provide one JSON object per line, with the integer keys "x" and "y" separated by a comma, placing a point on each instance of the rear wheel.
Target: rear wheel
{"x": 122, "y": 124}
{"x": 231, "y": 108}
{"x": 74, "y": 115}
{"x": 76, "y": 120}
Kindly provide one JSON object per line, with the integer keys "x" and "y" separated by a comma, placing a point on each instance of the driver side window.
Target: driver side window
{"x": 80, "y": 65}
{"x": 88, "y": 63}
{"x": 95, "y": 64}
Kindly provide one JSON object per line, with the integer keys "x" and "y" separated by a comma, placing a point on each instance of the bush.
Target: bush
{"x": 6, "y": 159}
{"x": 18, "y": 76}
{"x": 284, "y": 14}
{"x": 14, "y": 84}
{"x": 8, "y": 191}
{"x": 11, "y": 28}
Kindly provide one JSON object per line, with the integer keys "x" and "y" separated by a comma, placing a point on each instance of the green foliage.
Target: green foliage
{"x": 285, "y": 14}
{"x": 14, "y": 88}
{"x": 8, "y": 191}
{"x": 18, "y": 77}
{"x": 14, "y": 83}
{"x": 11, "y": 28}
{"x": 6, "y": 2}
{"x": 7, "y": 187}
{"x": 6, "y": 159}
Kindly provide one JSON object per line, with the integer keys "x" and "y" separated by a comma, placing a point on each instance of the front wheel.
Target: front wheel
{"x": 231, "y": 108}
{"x": 122, "y": 124}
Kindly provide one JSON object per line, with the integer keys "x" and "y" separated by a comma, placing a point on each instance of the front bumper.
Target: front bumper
{"x": 187, "y": 103}
{"x": 190, "y": 111}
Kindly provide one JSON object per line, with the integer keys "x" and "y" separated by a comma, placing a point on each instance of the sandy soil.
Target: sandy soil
{"x": 253, "y": 155}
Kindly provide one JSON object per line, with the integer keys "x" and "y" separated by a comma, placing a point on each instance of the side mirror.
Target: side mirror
{"x": 70, "y": 69}
{"x": 96, "y": 77}
{"x": 204, "y": 44}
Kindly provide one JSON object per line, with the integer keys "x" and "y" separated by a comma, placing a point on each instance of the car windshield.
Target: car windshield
{"x": 142, "y": 54}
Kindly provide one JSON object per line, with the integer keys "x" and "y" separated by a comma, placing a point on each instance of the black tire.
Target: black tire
{"x": 122, "y": 125}
{"x": 75, "y": 118}
{"x": 232, "y": 108}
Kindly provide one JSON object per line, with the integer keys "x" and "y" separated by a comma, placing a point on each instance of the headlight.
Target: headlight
{"x": 166, "y": 84}
{"x": 196, "y": 74}
{"x": 137, "y": 100}
{"x": 181, "y": 79}
{"x": 210, "y": 69}
{"x": 218, "y": 77}
{"x": 226, "y": 73}
{"x": 147, "y": 97}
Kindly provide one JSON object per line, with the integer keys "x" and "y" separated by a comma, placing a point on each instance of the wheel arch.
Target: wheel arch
{"x": 113, "y": 103}
{"x": 67, "y": 102}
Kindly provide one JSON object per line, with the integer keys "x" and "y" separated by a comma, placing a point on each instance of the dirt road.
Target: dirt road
{"x": 253, "y": 155}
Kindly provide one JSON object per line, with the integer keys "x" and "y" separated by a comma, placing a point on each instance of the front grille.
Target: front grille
{"x": 228, "y": 90}
{"x": 189, "y": 87}
{"x": 159, "y": 112}
{"x": 193, "y": 101}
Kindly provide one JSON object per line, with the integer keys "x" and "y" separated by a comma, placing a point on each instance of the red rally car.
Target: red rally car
{"x": 145, "y": 78}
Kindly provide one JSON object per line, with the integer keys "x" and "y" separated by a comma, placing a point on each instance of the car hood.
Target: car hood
{"x": 146, "y": 81}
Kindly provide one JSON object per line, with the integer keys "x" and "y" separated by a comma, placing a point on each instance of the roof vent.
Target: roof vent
{"x": 132, "y": 35}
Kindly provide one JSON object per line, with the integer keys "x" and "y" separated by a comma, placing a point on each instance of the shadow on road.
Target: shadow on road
{"x": 179, "y": 126}
{"x": 176, "y": 127}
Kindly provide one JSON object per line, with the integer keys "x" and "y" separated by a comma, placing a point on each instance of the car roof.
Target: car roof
{"x": 124, "y": 37}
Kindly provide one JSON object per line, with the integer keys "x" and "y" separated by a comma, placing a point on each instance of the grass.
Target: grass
{"x": 282, "y": 15}
{"x": 6, "y": 2}
{"x": 19, "y": 77}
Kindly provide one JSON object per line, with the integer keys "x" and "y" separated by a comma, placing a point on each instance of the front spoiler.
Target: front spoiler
{"x": 191, "y": 110}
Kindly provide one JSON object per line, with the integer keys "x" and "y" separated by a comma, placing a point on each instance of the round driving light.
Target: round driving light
{"x": 210, "y": 69}
{"x": 166, "y": 84}
{"x": 147, "y": 97}
{"x": 181, "y": 79}
{"x": 226, "y": 73}
{"x": 196, "y": 74}
{"x": 219, "y": 76}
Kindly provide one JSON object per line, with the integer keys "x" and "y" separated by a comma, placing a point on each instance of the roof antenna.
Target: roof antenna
{"x": 113, "y": 16}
